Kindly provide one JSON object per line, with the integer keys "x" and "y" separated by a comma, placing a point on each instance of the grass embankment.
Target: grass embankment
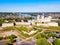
{"x": 49, "y": 29}
{"x": 26, "y": 37}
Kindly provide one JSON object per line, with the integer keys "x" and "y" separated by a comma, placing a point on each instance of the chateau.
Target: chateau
{"x": 45, "y": 21}
{"x": 41, "y": 20}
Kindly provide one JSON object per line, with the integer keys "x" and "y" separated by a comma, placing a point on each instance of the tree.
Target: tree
{"x": 56, "y": 42}
{"x": 58, "y": 24}
{"x": 38, "y": 36}
{"x": 41, "y": 41}
{"x": 1, "y": 38}
{"x": 43, "y": 35}
{"x": 44, "y": 41}
{"x": 18, "y": 19}
{"x": 0, "y": 23}
{"x": 54, "y": 35}
{"x": 51, "y": 35}
{"x": 38, "y": 42}
{"x": 12, "y": 37}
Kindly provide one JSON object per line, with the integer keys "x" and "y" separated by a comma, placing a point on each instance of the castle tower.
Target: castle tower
{"x": 42, "y": 17}
{"x": 38, "y": 18}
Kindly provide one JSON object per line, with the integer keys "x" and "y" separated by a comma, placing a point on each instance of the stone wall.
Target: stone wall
{"x": 48, "y": 24}
{"x": 7, "y": 24}
{"x": 22, "y": 23}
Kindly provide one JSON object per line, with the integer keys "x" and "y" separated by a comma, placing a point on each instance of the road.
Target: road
{"x": 3, "y": 42}
{"x": 21, "y": 42}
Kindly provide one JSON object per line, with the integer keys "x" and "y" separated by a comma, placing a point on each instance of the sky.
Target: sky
{"x": 29, "y": 5}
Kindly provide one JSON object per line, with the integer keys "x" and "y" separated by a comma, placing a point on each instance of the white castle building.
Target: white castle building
{"x": 41, "y": 20}
{"x": 45, "y": 21}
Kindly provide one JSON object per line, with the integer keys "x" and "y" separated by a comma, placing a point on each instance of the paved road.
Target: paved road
{"x": 3, "y": 42}
{"x": 26, "y": 43}
{"x": 21, "y": 42}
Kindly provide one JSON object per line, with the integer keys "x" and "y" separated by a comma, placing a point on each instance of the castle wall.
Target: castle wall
{"x": 7, "y": 24}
